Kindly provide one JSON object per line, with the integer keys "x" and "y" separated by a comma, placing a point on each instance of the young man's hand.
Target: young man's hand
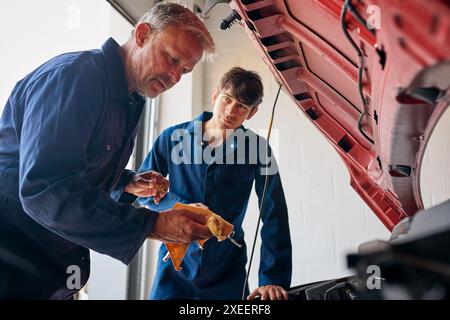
{"x": 179, "y": 225}
{"x": 148, "y": 184}
{"x": 269, "y": 292}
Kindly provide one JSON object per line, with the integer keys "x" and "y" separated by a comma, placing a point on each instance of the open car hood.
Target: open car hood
{"x": 405, "y": 83}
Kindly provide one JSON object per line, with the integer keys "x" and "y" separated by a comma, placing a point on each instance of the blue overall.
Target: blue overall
{"x": 66, "y": 134}
{"x": 218, "y": 271}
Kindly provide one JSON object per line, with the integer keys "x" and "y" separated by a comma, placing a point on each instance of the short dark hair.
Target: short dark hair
{"x": 245, "y": 85}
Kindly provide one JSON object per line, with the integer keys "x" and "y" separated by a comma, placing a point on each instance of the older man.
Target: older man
{"x": 66, "y": 135}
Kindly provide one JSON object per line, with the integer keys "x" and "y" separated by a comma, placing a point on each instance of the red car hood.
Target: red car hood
{"x": 405, "y": 83}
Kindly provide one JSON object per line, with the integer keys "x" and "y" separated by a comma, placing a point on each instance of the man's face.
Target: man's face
{"x": 228, "y": 111}
{"x": 163, "y": 58}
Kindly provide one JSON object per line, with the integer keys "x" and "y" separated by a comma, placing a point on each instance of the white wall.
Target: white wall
{"x": 35, "y": 31}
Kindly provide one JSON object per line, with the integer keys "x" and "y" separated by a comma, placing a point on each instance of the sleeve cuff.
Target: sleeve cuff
{"x": 146, "y": 230}
{"x": 118, "y": 194}
{"x": 127, "y": 198}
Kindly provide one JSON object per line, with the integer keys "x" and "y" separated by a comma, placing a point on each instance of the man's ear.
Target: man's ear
{"x": 141, "y": 33}
{"x": 214, "y": 95}
{"x": 252, "y": 113}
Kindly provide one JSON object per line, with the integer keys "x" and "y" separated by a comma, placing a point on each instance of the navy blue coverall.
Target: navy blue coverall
{"x": 66, "y": 135}
{"x": 218, "y": 271}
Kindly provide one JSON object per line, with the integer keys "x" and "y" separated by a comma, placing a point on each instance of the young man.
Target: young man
{"x": 214, "y": 160}
{"x": 66, "y": 134}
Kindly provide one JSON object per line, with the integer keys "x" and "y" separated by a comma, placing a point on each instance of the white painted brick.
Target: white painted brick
{"x": 252, "y": 61}
{"x": 300, "y": 165}
{"x": 228, "y": 40}
{"x": 209, "y": 86}
{"x": 336, "y": 214}
{"x": 318, "y": 154}
{"x": 439, "y": 198}
{"x": 342, "y": 187}
{"x": 288, "y": 160}
{"x": 319, "y": 214}
{"x": 348, "y": 241}
{"x": 223, "y": 63}
{"x": 313, "y": 245}
{"x": 374, "y": 223}
{"x": 249, "y": 226}
{"x": 295, "y": 216}
{"x": 325, "y": 271}
{"x": 351, "y": 213}
{"x": 314, "y": 185}
{"x": 298, "y": 273}
{"x": 292, "y": 196}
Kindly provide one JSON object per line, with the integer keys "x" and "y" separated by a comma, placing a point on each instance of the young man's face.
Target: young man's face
{"x": 163, "y": 58}
{"x": 228, "y": 111}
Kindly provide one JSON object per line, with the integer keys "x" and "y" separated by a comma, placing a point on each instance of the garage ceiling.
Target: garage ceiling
{"x": 132, "y": 10}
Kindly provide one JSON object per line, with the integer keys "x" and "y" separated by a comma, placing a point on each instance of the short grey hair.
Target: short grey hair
{"x": 164, "y": 14}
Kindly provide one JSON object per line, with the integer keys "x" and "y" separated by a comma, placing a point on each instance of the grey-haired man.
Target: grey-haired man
{"x": 66, "y": 134}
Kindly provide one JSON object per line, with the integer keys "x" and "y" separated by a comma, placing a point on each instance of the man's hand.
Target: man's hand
{"x": 148, "y": 184}
{"x": 179, "y": 225}
{"x": 269, "y": 293}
